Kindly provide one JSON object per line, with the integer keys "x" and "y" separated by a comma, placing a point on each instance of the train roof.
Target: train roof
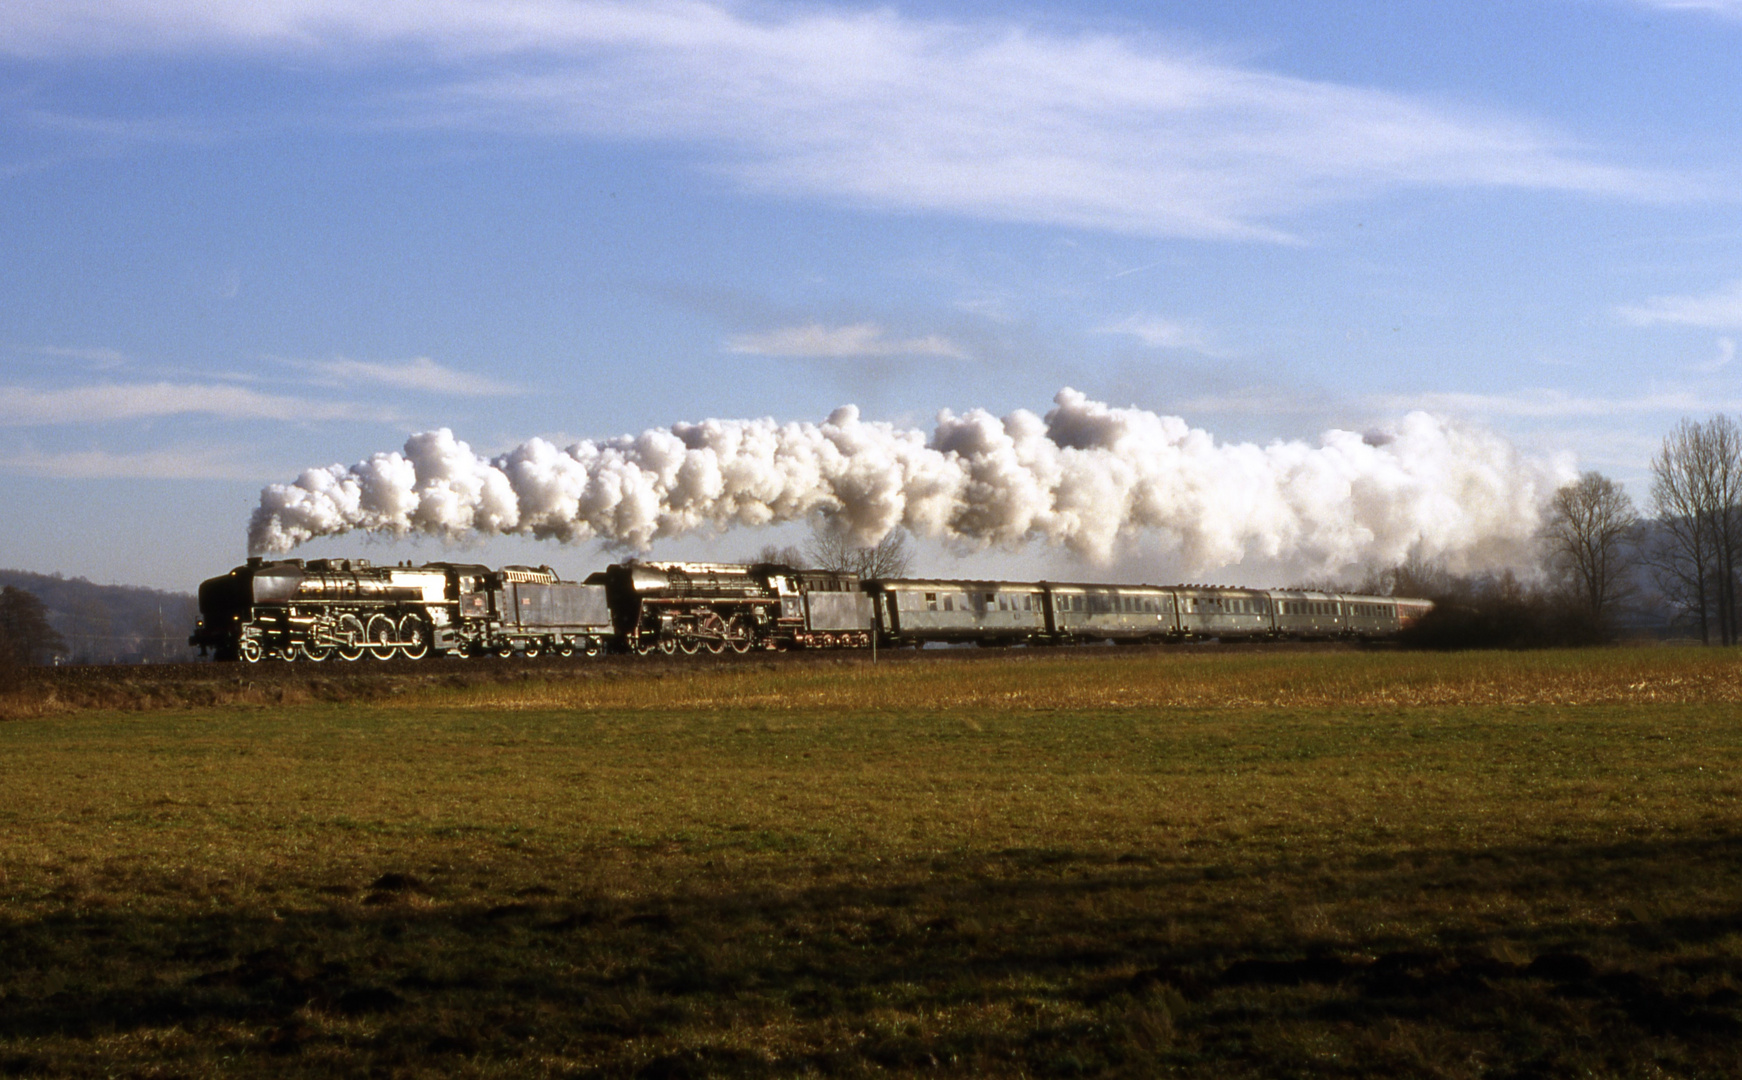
{"x": 968, "y": 584}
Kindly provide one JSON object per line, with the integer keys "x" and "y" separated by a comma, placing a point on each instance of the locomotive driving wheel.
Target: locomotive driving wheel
{"x": 414, "y": 637}
{"x": 350, "y": 637}
{"x": 740, "y": 634}
{"x": 711, "y": 631}
{"x": 249, "y": 649}
{"x": 380, "y": 635}
{"x": 316, "y": 650}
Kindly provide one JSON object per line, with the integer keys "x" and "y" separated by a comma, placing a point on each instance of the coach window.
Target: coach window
{"x": 949, "y": 602}
{"x": 931, "y": 601}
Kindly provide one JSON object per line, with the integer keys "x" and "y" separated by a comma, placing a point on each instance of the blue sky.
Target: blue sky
{"x": 238, "y": 239}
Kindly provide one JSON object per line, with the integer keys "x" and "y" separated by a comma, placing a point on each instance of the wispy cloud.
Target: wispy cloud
{"x": 421, "y": 374}
{"x": 1726, "y": 355}
{"x": 842, "y": 342}
{"x": 1730, "y": 9}
{"x": 97, "y": 357}
{"x": 1544, "y": 404}
{"x": 204, "y": 463}
{"x": 22, "y": 406}
{"x": 1159, "y": 333}
{"x": 991, "y": 119}
{"x": 1720, "y": 310}
{"x": 1250, "y": 401}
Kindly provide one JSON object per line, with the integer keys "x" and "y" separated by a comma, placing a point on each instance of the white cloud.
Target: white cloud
{"x": 990, "y": 119}
{"x": 26, "y": 407}
{"x": 420, "y": 374}
{"x": 1720, "y": 310}
{"x": 1158, "y": 333}
{"x": 842, "y": 342}
{"x": 205, "y": 463}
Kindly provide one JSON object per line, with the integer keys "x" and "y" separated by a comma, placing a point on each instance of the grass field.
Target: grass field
{"x": 1147, "y": 862}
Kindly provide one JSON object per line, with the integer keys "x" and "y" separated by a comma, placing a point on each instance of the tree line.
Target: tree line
{"x": 99, "y": 624}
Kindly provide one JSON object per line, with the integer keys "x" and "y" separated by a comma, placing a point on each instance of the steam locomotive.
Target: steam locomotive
{"x": 295, "y": 610}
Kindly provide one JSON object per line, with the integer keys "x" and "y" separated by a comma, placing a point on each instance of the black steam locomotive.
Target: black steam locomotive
{"x": 296, "y": 610}
{"x": 347, "y": 608}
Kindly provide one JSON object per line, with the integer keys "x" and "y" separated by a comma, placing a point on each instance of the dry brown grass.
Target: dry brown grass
{"x": 1227, "y": 677}
{"x": 1158, "y": 862}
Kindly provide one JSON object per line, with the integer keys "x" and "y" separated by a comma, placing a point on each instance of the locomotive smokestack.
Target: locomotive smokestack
{"x": 1086, "y": 477}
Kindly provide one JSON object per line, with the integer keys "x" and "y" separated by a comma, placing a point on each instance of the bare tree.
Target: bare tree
{"x": 790, "y": 555}
{"x": 832, "y": 548}
{"x": 1589, "y": 534}
{"x": 1696, "y": 486}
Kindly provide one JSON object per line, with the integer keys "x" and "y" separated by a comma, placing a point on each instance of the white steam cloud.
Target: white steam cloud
{"x": 1087, "y": 477}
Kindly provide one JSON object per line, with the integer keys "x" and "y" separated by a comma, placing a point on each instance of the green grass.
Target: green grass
{"x": 1152, "y": 862}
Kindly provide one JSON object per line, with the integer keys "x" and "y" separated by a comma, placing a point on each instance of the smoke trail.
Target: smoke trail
{"x": 1085, "y": 476}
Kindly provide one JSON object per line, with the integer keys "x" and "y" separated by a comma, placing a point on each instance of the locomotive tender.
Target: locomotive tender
{"x": 291, "y": 609}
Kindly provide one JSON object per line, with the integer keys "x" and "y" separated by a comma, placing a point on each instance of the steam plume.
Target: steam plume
{"x": 1085, "y": 476}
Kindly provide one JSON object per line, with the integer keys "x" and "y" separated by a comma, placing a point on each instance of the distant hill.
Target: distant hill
{"x": 113, "y": 624}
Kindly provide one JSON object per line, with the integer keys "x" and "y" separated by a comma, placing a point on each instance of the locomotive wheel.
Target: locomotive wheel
{"x": 351, "y": 634}
{"x": 415, "y": 637}
{"x": 740, "y": 634}
{"x": 643, "y": 646}
{"x": 690, "y": 646}
{"x": 668, "y": 646}
{"x": 711, "y": 633}
{"x": 316, "y": 651}
{"x": 380, "y": 637}
{"x": 249, "y": 649}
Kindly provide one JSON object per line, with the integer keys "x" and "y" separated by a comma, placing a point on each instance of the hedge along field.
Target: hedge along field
{"x": 1240, "y": 863}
